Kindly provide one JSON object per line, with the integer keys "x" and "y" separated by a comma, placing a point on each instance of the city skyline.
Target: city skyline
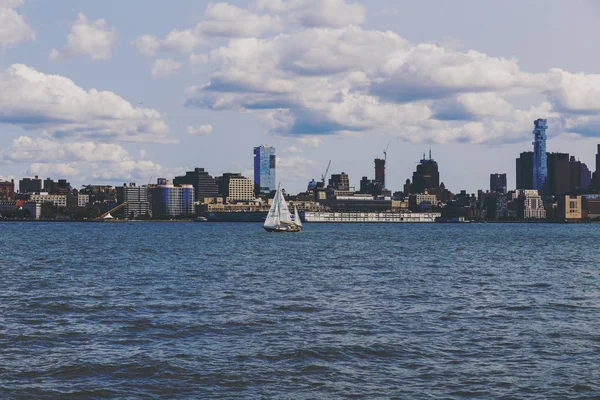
{"x": 152, "y": 75}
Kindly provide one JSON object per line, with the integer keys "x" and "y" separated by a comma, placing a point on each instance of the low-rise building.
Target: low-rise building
{"x": 59, "y": 200}
{"x": 570, "y": 207}
{"x": 32, "y": 210}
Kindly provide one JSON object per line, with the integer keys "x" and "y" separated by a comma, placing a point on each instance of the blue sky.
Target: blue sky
{"x": 115, "y": 91}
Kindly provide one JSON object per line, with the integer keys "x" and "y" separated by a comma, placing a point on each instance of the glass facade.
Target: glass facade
{"x": 264, "y": 169}
{"x": 172, "y": 201}
{"x": 540, "y": 158}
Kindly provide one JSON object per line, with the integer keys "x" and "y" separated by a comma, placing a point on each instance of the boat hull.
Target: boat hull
{"x": 283, "y": 229}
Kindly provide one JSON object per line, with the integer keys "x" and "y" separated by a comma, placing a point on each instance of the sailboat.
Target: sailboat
{"x": 279, "y": 218}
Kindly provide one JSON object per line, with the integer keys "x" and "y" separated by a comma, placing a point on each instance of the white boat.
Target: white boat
{"x": 279, "y": 218}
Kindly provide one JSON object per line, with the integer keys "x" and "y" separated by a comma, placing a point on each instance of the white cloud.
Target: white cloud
{"x": 202, "y": 130}
{"x": 317, "y": 13}
{"x": 34, "y": 100}
{"x": 296, "y": 168}
{"x": 80, "y": 161}
{"x": 13, "y": 26}
{"x": 292, "y": 149}
{"x": 91, "y": 38}
{"x": 310, "y": 141}
{"x": 164, "y": 67}
{"x": 220, "y": 19}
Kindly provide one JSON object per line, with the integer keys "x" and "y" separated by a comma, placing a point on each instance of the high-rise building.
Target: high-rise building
{"x": 380, "y": 171}
{"x": 171, "y": 201}
{"x": 30, "y": 185}
{"x": 540, "y": 164}
{"x": 7, "y": 190}
{"x": 558, "y": 178}
{"x": 426, "y": 177}
{"x": 205, "y": 186}
{"x": 596, "y": 182}
{"x": 498, "y": 183}
{"x": 530, "y": 205}
{"x": 579, "y": 175}
{"x": 264, "y": 169}
{"x": 525, "y": 170}
{"x": 339, "y": 181}
{"x": 136, "y": 198}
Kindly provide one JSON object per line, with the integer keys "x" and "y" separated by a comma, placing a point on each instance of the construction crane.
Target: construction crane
{"x": 386, "y": 149}
{"x": 323, "y": 177}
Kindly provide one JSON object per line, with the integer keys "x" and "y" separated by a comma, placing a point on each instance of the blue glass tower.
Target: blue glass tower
{"x": 540, "y": 158}
{"x": 264, "y": 169}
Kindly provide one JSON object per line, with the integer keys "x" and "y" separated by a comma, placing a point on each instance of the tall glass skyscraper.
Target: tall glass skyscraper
{"x": 264, "y": 169}
{"x": 540, "y": 158}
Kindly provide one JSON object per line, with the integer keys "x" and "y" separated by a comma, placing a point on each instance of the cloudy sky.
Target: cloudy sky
{"x": 116, "y": 91}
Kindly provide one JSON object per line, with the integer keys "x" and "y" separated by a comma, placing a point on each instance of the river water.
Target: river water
{"x": 192, "y": 310}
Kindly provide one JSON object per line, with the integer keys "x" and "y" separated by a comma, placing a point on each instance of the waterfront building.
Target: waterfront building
{"x": 205, "y": 186}
{"x": 136, "y": 198}
{"x": 380, "y": 171}
{"x": 426, "y": 177}
{"x": 525, "y": 170}
{"x": 419, "y": 202}
{"x": 570, "y": 207}
{"x": 498, "y": 183}
{"x": 58, "y": 200}
{"x": 30, "y": 185}
{"x": 557, "y": 179}
{"x": 264, "y": 169}
{"x": 540, "y": 163}
{"x": 531, "y": 205}
{"x": 32, "y": 210}
{"x": 59, "y": 187}
{"x": 596, "y": 178}
{"x": 7, "y": 190}
{"x": 339, "y": 181}
{"x": 235, "y": 187}
{"x": 168, "y": 200}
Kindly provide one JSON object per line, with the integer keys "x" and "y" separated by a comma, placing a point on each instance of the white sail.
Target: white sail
{"x": 273, "y": 217}
{"x": 285, "y": 217}
{"x": 297, "y": 220}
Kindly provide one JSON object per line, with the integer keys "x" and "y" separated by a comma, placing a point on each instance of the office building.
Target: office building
{"x": 371, "y": 187}
{"x": 530, "y": 205}
{"x": 136, "y": 198}
{"x": 525, "y": 170}
{"x": 7, "y": 190}
{"x": 380, "y": 171}
{"x": 30, "y": 185}
{"x": 558, "y": 174}
{"x": 264, "y": 169}
{"x": 426, "y": 177}
{"x": 235, "y": 187}
{"x": 339, "y": 181}
{"x": 580, "y": 175}
{"x": 205, "y": 186}
{"x": 540, "y": 163}
{"x": 498, "y": 183}
{"x": 570, "y": 207}
{"x": 171, "y": 201}
{"x": 59, "y": 187}
{"x": 596, "y": 180}
{"x": 58, "y": 200}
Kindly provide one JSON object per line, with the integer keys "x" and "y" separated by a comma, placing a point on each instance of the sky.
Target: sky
{"x": 128, "y": 91}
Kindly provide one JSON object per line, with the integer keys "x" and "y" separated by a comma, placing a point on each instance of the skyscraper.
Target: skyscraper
{"x": 380, "y": 171}
{"x": 597, "y": 173}
{"x": 558, "y": 174}
{"x": 525, "y": 170}
{"x": 204, "y": 185}
{"x": 498, "y": 183}
{"x": 427, "y": 176}
{"x": 264, "y": 169}
{"x": 540, "y": 163}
